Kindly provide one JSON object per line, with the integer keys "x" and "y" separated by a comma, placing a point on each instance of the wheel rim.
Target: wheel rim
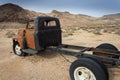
{"x": 18, "y": 50}
{"x": 83, "y": 73}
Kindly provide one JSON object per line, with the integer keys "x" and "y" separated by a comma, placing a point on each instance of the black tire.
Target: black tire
{"x": 89, "y": 64}
{"x": 100, "y": 63}
{"x": 16, "y": 44}
{"x": 109, "y": 47}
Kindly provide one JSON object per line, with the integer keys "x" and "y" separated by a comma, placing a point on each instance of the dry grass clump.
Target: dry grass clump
{"x": 8, "y": 29}
{"x": 118, "y": 32}
{"x": 11, "y": 25}
{"x": 95, "y": 30}
{"x": 10, "y": 34}
{"x": 97, "y": 33}
{"x": 71, "y": 30}
{"x": 68, "y": 31}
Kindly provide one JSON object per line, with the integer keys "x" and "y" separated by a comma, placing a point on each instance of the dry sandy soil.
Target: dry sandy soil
{"x": 48, "y": 65}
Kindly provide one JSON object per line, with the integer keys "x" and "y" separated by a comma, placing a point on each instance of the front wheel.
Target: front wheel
{"x": 17, "y": 50}
{"x": 86, "y": 69}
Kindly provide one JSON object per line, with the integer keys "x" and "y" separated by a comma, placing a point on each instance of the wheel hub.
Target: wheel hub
{"x": 83, "y": 73}
{"x": 18, "y": 49}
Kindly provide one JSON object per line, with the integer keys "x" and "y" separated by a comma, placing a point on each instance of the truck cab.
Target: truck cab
{"x": 39, "y": 34}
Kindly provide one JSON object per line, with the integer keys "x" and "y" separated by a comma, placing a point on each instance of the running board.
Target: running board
{"x": 30, "y": 51}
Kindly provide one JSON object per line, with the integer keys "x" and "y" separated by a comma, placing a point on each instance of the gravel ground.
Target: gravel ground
{"x": 44, "y": 66}
{"x": 48, "y": 65}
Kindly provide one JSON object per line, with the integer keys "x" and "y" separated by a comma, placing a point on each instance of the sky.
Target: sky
{"x": 95, "y": 8}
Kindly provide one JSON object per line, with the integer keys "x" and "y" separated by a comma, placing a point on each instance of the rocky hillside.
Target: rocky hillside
{"x": 112, "y": 17}
{"x": 68, "y": 19}
{"x": 10, "y": 12}
{"x": 14, "y": 13}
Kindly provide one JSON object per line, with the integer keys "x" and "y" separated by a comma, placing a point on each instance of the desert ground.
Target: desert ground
{"x": 49, "y": 65}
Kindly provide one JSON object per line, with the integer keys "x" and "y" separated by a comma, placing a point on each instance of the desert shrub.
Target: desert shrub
{"x": 70, "y": 34}
{"x": 10, "y": 34}
{"x": 97, "y": 32}
{"x": 105, "y": 30}
{"x": 117, "y": 32}
{"x": 11, "y": 25}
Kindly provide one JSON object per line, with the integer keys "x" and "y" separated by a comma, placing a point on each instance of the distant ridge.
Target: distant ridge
{"x": 14, "y": 13}
{"x": 112, "y": 16}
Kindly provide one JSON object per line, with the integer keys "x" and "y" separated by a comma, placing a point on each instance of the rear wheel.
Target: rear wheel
{"x": 86, "y": 69}
{"x": 17, "y": 50}
{"x": 100, "y": 63}
{"x": 108, "y": 47}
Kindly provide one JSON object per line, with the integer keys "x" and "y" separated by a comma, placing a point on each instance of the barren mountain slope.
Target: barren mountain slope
{"x": 14, "y": 13}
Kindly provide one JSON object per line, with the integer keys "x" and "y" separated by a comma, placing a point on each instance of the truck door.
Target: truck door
{"x": 30, "y": 35}
{"x": 50, "y": 33}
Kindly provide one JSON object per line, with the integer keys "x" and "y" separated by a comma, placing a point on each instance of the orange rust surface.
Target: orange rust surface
{"x": 29, "y": 34}
{"x": 19, "y": 37}
{"x": 30, "y": 38}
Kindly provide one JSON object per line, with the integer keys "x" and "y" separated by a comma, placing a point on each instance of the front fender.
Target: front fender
{"x": 17, "y": 39}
